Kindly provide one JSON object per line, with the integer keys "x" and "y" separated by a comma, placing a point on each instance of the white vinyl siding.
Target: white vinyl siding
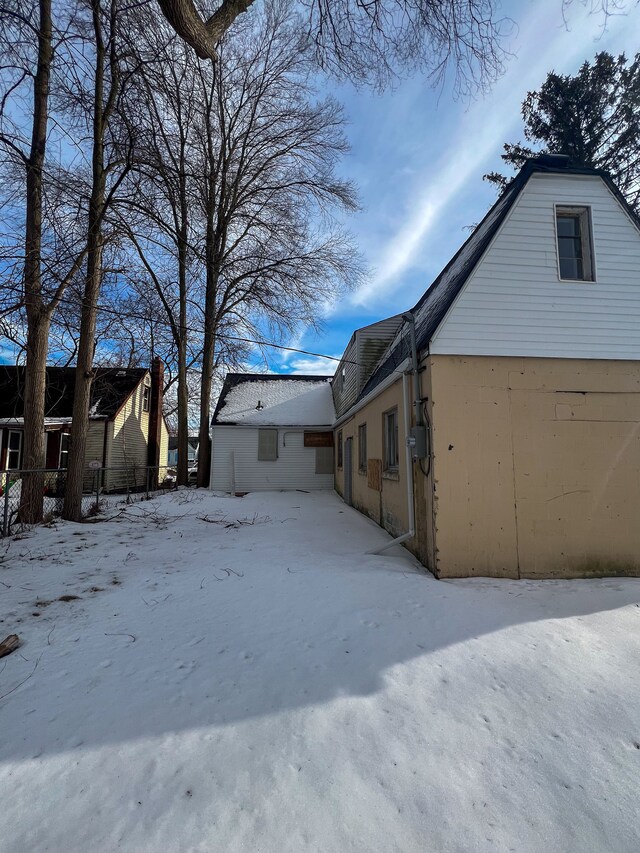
{"x": 295, "y": 467}
{"x": 515, "y": 303}
{"x": 360, "y": 358}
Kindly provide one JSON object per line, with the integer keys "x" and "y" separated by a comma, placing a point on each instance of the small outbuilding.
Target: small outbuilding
{"x": 271, "y": 431}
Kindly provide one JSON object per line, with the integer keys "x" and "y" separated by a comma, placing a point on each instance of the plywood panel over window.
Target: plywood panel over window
{"x": 267, "y": 445}
{"x": 318, "y": 439}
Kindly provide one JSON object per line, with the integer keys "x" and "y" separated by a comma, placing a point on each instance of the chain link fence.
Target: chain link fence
{"x": 134, "y": 482}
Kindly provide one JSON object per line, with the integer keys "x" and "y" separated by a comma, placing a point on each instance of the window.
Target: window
{"x": 391, "y": 440}
{"x": 339, "y": 448}
{"x": 14, "y": 448}
{"x": 146, "y": 398}
{"x": 267, "y": 445}
{"x": 65, "y": 441}
{"x": 362, "y": 448}
{"x": 575, "y": 254}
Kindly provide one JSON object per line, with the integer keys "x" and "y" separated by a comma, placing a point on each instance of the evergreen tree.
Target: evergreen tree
{"x": 594, "y": 117}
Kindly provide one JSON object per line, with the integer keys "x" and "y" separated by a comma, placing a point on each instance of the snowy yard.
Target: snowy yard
{"x": 267, "y": 686}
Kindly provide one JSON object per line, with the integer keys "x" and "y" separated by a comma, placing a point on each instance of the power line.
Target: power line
{"x": 131, "y": 315}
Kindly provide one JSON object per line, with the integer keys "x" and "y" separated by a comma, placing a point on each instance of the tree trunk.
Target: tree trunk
{"x": 183, "y": 391}
{"x": 183, "y": 416}
{"x": 38, "y": 317}
{"x": 72, "y": 509}
{"x": 208, "y": 360}
{"x": 84, "y": 377}
{"x": 31, "y": 496}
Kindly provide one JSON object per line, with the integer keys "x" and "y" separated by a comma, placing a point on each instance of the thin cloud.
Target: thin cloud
{"x": 313, "y": 366}
{"x": 485, "y": 127}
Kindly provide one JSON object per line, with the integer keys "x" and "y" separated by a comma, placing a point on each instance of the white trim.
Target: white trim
{"x": 579, "y": 209}
{"x": 19, "y": 433}
{"x": 62, "y": 433}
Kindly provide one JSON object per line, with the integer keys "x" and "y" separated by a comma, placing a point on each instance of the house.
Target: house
{"x": 127, "y": 431}
{"x": 499, "y": 433}
{"x": 272, "y": 432}
{"x": 192, "y": 450}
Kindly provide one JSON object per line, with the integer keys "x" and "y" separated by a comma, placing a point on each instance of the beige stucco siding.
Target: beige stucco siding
{"x": 536, "y": 466}
{"x": 388, "y": 505}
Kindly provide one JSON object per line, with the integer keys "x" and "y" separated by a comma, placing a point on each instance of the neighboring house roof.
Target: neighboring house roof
{"x": 436, "y": 301}
{"x": 283, "y": 400}
{"x": 192, "y": 441}
{"x": 110, "y": 389}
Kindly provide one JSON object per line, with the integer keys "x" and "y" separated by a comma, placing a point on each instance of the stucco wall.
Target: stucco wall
{"x": 536, "y": 466}
{"x": 388, "y": 506}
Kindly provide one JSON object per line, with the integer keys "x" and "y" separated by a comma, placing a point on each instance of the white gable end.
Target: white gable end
{"x": 514, "y": 303}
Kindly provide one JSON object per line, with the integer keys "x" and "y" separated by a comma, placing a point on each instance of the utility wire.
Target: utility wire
{"x": 131, "y": 315}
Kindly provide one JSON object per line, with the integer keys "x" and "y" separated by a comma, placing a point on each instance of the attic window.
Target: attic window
{"x": 575, "y": 245}
{"x": 146, "y": 398}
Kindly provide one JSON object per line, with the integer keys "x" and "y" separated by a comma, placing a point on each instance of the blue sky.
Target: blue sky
{"x": 418, "y": 158}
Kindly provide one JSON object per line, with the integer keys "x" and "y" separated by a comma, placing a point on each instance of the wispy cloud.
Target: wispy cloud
{"x": 545, "y": 43}
{"x": 312, "y": 366}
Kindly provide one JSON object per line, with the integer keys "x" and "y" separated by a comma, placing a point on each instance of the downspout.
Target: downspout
{"x": 409, "y": 463}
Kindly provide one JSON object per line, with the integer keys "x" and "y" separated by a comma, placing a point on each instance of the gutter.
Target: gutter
{"x": 375, "y": 392}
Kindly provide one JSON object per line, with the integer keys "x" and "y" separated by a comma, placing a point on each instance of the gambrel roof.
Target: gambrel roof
{"x": 432, "y": 307}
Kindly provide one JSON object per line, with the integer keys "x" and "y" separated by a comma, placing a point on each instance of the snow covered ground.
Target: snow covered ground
{"x": 267, "y": 686}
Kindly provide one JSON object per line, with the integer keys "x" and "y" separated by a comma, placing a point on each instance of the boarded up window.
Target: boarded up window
{"x": 318, "y": 439}
{"x": 374, "y": 474}
{"x": 324, "y": 460}
{"x": 267, "y": 445}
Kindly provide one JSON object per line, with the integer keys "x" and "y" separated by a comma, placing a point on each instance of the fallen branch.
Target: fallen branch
{"x": 133, "y": 639}
{"x": 229, "y": 573}
{"x": 13, "y": 689}
{"x": 9, "y": 644}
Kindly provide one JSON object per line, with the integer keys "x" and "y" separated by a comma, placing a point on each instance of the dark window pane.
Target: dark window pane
{"x": 569, "y": 247}
{"x": 571, "y": 268}
{"x": 568, "y": 226}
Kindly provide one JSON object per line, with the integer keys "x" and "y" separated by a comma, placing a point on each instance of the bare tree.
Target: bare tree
{"x": 100, "y": 112}
{"x": 202, "y": 34}
{"x": 370, "y": 41}
{"x": 271, "y": 253}
{"x": 27, "y": 37}
{"x": 169, "y": 111}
